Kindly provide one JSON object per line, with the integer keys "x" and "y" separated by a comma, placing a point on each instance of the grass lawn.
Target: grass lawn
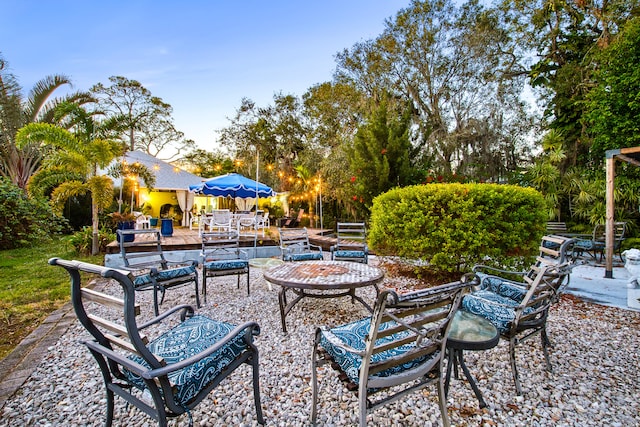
{"x": 31, "y": 289}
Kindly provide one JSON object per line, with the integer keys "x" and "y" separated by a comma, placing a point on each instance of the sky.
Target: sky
{"x": 202, "y": 57}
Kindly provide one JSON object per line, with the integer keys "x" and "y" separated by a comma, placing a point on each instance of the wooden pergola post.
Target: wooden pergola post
{"x": 608, "y": 243}
{"x": 632, "y": 156}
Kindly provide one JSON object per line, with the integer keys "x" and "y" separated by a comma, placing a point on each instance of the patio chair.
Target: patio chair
{"x": 145, "y": 257}
{"x": 221, "y": 256}
{"x": 554, "y": 251}
{"x": 399, "y": 349}
{"x": 142, "y": 222}
{"x": 294, "y": 222}
{"x": 351, "y": 243}
{"x": 518, "y": 311}
{"x": 262, "y": 221}
{"x": 220, "y": 220}
{"x": 295, "y": 246}
{"x": 163, "y": 371}
{"x": 595, "y": 245}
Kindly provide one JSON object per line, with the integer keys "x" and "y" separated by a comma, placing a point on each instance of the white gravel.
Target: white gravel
{"x": 595, "y": 380}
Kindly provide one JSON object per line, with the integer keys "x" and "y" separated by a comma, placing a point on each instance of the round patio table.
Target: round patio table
{"x": 468, "y": 331}
{"x": 321, "y": 279}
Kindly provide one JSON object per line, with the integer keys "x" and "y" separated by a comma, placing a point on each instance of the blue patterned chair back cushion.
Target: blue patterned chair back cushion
{"x": 191, "y": 337}
{"x": 355, "y": 335}
{"x": 173, "y": 273}
{"x": 498, "y": 309}
{"x": 502, "y": 287}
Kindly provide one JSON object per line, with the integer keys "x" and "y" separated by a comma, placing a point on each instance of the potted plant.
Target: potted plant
{"x": 147, "y": 209}
{"x": 124, "y": 221}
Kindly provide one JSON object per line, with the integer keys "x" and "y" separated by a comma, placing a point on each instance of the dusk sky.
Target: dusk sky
{"x": 202, "y": 57}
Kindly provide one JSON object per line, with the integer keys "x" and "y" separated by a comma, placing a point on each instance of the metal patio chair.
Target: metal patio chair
{"x": 351, "y": 243}
{"x": 153, "y": 271}
{"x": 163, "y": 371}
{"x": 221, "y": 256}
{"x": 295, "y": 246}
{"x": 399, "y": 349}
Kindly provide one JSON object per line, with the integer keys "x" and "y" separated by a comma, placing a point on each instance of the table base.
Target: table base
{"x": 455, "y": 358}
{"x": 285, "y": 307}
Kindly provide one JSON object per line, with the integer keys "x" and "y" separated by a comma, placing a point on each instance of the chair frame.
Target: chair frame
{"x": 351, "y": 243}
{"x": 223, "y": 246}
{"x": 115, "y": 345}
{"x": 529, "y": 314}
{"x": 295, "y": 245}
{"x": 418, "y": 319}
{"x": 294, "y": 222}
{"x": 596, "y": 244}
{"x": 555, "y": 251}
{"x": 145, "y": 256}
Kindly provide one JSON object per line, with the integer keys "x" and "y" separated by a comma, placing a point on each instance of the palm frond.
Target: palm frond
{"x": 64, "y": 191}
{"x": 41, "y": 92}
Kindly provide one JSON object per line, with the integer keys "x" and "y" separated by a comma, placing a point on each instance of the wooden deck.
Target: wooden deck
{"x": 184, "y": 239}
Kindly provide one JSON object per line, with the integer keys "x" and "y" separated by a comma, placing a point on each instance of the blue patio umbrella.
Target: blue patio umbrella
{"x": 232, "y": 185}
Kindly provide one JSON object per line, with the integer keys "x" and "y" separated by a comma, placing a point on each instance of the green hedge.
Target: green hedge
{"x": 453, "y": 226}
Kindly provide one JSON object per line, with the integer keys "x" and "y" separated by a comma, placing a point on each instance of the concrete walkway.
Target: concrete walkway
{"x": 587, "y": 282}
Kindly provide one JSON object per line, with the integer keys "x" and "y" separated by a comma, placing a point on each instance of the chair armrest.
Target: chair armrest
{"x": 247, "y": 329}
{"x": 315, "y": 246}
{"x": 187, "y": 310}
{"x": 338, "y": 342}
{"x": 117, "y": 357}
{"x": 186, "y": 262}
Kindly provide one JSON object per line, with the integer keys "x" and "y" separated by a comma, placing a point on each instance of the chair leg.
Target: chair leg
{"x": 204, "y": 283}
{"x": 362, "y": 408}
{"x": 109, "y": 421}
{"x": 314, "y": 379}
{"x": 514, "y": 369}
{"x": 256, "y": 388}
{"x": 545, "y": 345}
{"x": 442, "y": 400}
{"x": 195, "y": 281}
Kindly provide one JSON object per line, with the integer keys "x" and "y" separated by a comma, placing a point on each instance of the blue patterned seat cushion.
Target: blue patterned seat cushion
{"x": 350, "y": 254}
{"x": 588, "y": 245}
{"x": 307, "y": 256}
{"x": 498, "y": 309}
{"x": 191, "y": 337}
{"x": 503, "y": 287}
{"x": 354, "y": 334}
{"x": 164, "y": 275}
{"x": 230, "y": 264}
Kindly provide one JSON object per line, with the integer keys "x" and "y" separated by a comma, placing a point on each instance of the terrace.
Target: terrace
{"x": 590, "y": 383}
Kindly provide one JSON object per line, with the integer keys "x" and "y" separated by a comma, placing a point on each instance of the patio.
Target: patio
{"x": 590, "y": 385}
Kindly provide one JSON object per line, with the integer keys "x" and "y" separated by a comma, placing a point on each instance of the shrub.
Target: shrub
{"x": 82, "y": 240}
{"x": 453, "y": 226}
{"x": 24, "y": 220}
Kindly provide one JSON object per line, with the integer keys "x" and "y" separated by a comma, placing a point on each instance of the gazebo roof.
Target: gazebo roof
{"x": 168, "y": 177}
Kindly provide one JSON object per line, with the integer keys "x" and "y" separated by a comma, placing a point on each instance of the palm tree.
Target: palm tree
{"x": 71, "y": 168}
{"x": 18, "y": 164}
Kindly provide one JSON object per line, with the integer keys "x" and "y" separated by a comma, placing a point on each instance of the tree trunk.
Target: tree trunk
{"x": 95, "y": 246}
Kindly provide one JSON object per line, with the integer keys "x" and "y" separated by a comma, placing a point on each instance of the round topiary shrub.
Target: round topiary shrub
{"x": 454, "y": 226}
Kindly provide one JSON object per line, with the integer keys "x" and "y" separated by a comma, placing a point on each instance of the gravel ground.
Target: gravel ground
{"x": 594, "y": 380}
